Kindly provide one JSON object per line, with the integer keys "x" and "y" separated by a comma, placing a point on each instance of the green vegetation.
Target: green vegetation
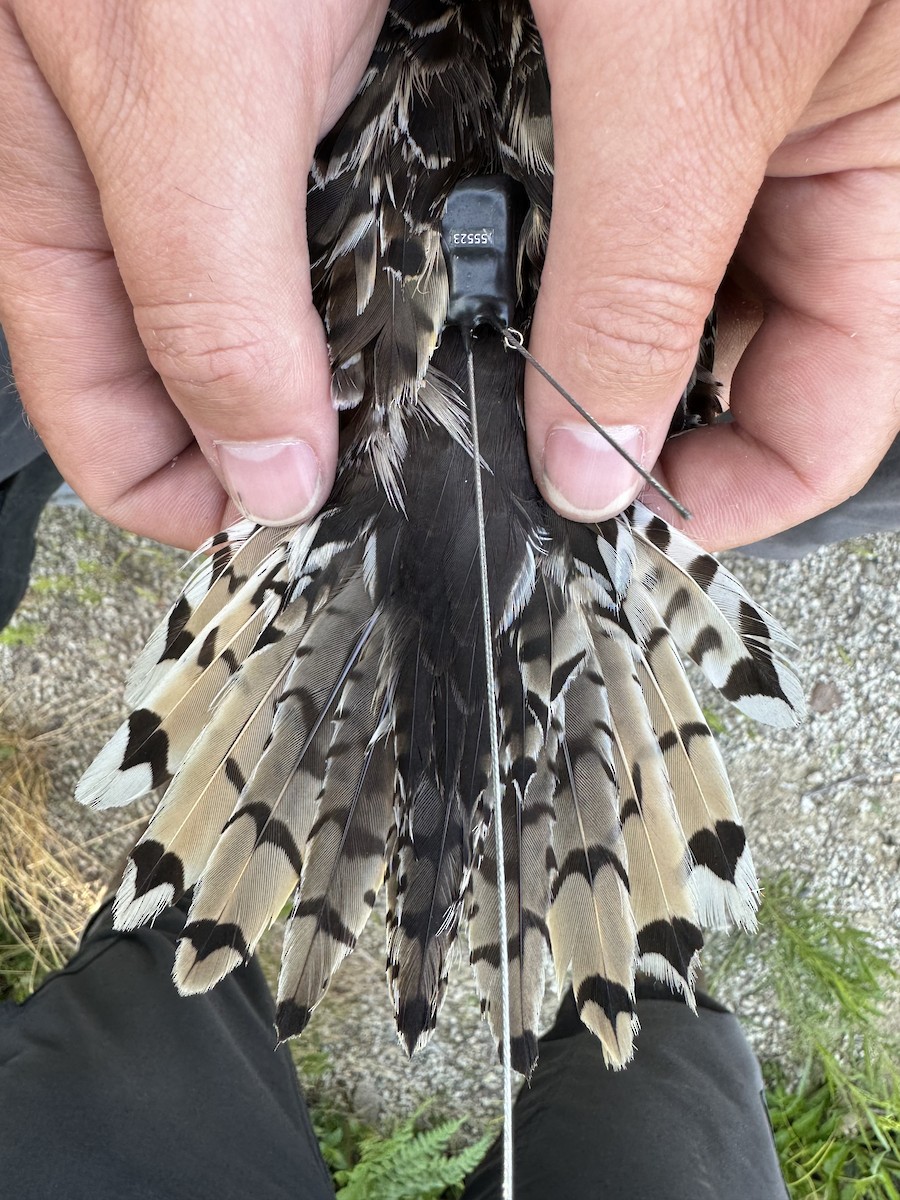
{"x": 715, "y": 722}
{"x": 21, "y": 633}
{"x": 862, "y": 548}
{"x": 55, "y": 585}
{"x": 420, "y": 1158}
{"x": 417, "y": 1161}
{"x": 835, "y": 1110}
{"x": 93, "y": 579}
{"x": 844, "y": 655}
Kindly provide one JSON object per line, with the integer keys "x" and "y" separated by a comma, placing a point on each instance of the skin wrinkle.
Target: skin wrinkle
{"x": 808, "y": 265}
{"x": 864, "y": 140}
{"x": 653, "y": 336}
{"x": 868, "y": 70}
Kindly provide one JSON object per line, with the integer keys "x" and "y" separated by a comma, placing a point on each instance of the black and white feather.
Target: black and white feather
{"x": 314, "y": 705}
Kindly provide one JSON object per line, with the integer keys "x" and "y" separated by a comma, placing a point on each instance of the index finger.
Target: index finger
{"x": 816, "y": 396}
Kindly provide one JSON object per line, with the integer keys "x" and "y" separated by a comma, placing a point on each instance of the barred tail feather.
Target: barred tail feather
{"x": 150, "y": 746}
{"x": 173, "y": 852}
{"x": 527, "y": 809}
{"x": 591, "y": 923}
{"x": 243, "y": 551}
{"x": 345, "y": 853}
{"x": 669, "y": 939}
{"x": 722, "y": 880}
{"x": 258, "y": 857}
{"x": 737, "y": 645}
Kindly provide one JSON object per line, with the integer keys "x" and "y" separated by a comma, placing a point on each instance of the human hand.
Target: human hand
{"x": 673, "y": 124}
{"x": 154, "y": 280}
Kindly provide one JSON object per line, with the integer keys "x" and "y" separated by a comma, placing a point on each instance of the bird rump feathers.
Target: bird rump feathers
{"x": 314, "y": 707}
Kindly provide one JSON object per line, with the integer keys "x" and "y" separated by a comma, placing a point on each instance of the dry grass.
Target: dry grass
{"x": 44, "y": 900}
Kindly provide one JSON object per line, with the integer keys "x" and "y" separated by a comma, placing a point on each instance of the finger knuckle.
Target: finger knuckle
{"x": 829, "y": 489}
{"x": 98, "y": 492}
{"x": 830, "y": 479}
{"x": 646, "y": 329}
{"x": 208, "y": 353}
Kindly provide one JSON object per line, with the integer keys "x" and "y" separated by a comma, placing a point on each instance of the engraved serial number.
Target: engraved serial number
{"x": 472, "y": 237}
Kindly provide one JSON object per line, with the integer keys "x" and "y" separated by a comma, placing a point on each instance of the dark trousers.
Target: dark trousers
{"x": 113, "y": 1087}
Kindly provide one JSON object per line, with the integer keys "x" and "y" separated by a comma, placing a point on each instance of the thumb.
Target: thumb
{"x": 210, "y": 238}
{"x": 198, "y": 130}
{"x": 660, "y": 149}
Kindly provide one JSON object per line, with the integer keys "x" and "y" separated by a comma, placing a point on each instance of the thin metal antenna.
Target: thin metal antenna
{"x": 507, "y": 1191}
{"x": 513, "y": 340}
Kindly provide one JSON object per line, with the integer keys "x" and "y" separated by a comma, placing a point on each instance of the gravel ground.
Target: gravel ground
{"x": 823, "y": 800}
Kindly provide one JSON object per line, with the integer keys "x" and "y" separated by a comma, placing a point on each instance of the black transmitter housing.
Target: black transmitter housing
{"x": 480, "y": 234}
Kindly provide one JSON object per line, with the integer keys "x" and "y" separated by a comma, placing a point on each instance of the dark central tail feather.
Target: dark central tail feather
{"x": 527, "y": 806}
{"x": 442, "y": 713}
{"x": 440, "y": 831}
